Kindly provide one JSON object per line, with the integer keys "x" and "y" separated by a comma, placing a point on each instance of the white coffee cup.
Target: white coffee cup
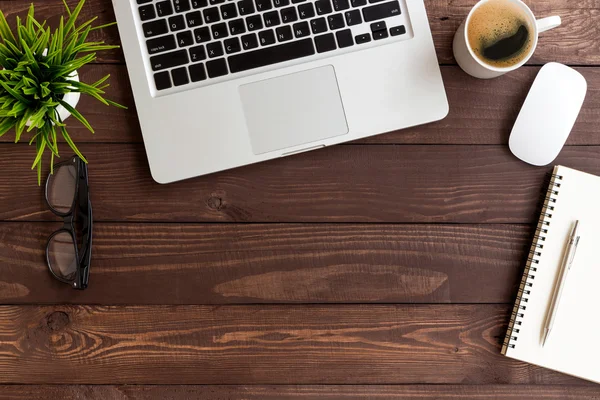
{"x": 472, "y": 65}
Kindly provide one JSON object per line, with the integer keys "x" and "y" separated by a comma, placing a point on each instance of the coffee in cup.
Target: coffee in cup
{"x": 498, "y": 36}
{"x": 500, "y": 33}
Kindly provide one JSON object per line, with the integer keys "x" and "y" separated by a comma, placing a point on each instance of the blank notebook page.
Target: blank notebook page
{"x": 573, "y": 346}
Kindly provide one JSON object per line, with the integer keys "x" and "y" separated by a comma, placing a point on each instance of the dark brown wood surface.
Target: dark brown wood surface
{"x": 274, "y": 263}
{"x": 295, "y": 392}
{"x": 379, "y": 269}
{"x": 263, "y": 344}
{"x": 345, "y": 183}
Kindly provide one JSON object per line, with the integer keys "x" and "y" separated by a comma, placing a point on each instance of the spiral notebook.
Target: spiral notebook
{"x": 573, "y": 346}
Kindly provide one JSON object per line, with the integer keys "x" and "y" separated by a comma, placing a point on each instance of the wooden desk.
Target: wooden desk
{"x": 384, "y": 268}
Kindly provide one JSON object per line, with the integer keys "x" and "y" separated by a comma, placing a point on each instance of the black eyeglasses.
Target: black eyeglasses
{"x": 67, "y": 195}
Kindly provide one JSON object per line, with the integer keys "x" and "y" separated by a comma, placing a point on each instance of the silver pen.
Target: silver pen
{"x": 567, "y": 261}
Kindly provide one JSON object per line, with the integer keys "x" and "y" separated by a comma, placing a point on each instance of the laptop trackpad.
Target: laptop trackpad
{"x": 295, "y": 109}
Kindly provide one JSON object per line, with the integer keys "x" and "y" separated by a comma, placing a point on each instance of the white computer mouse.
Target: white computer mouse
{"x": 548, "y": 114}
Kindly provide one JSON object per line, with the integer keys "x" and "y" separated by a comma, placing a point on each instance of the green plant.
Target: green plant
{"x": 37, "y": 66}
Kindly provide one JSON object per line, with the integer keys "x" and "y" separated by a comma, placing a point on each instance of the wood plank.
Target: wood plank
{"x": 401, "y": 184}
{"x": 481, "y": 111}
{"x": 250, "y": 263}
{"x": 344, "y": 344}
{"x": 292, "y": 392}
{"x": 575, "y": 42}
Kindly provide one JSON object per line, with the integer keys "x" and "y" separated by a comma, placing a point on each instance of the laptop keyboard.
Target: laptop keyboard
{"x": 196, "y": 40}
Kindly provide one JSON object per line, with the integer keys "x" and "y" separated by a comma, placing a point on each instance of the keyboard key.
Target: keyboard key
{"x": 375, "y": 1}
{"x": 176, "y": 23}
{"x": 249, "y": 41}
{"x": 169, "y": 60}
{"x": 323, "y": 7}
{"x": 197, "y": 54}
{"x": 155, "y": 28}
{"x": 143, "y": 1}
{"x": 335, "y": 21}
{"x": 199, "y": 3}
{"x": 289, "y": 15}
{"x": 180, "y": 76}
{"x": 158, "y": 45}
{"x": 164, "y": 8}
{"x": 271, "y": 55}
{"x": 232, "y": 45}
{"x": 271, "y": 19}
{"x": 254, "y": 23}
{"x": 162, "y": 80}
{"x": 193, "y": 19}
{"x": 147, "y": 12}
{"x": 381, "y": 11}
{"x": 297, "y": 1}
{"x": 181, "y": 5}
{"x": 246, "y": 7}
{"x": 185, "y": 39}
{"x": 216, "y": 68}
{"x": 281, "y": 3}
{"x": 214, "y": 49}
{"x": 380, "y": 35}
{"x": 325, "y": 42}
{"x": 344, "y": 38}
{"x": 215, "y": 2}
{"x": 284, "y": 33}
{"x": 397, "y": 30}
{"x": 212, "y": 15}
{"x": 237, "y": 26}
{"x": 228, "y": 11}
{"x": 378, "y": 26}
{"x": 306, "y": 10}
{"x": 341, "y": 5}
{"x": 301, "y": 29}
{"x": 197, "y": 72}
{"x": 202, "y": 35}
{"x": 318, "y": 25}
{"x": 263, "y": 5}
{"x": 353, "y": 17}
{"x": 364, "y": 38}
{"x": 358, "y": 3}
{"x": 266, "y": 37}
{"x": 219, "y": 31}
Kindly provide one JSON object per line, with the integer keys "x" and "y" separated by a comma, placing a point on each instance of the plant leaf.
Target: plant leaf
{"x": 5, "y": 31}
{"x": 77, "y": 115}
{"x": 71, "y": 144}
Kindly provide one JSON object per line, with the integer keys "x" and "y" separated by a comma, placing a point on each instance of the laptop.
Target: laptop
{"x": 220, "y": 84}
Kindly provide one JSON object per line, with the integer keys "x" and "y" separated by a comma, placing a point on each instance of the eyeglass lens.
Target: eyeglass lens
{"x": 61, "y": 188}
{"x": 62, "y": 257}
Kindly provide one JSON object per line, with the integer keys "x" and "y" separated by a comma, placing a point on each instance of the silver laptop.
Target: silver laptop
{"x": 223, "y": 83}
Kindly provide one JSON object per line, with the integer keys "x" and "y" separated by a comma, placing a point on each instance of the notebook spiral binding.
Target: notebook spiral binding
{"x": 533, "y": 259}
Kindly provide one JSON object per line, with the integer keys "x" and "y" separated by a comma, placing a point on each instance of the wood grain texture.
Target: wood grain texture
{"x": 345, "y": 344}
{"x": 577, "y": 41}
{"x": 481, "y": 111}
{"x": 459, "y": 184}
{"x": 293, "y": 392}
{"x": 273, "y": 263}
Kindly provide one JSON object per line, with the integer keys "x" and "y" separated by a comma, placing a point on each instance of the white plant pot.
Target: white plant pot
{"x": 71, "y": 98}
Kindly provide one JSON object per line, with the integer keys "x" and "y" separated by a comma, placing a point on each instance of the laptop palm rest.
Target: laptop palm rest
{"x": 292, "y": 110}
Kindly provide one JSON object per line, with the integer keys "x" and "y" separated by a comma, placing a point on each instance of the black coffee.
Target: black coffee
{"x": 499, "y": 34}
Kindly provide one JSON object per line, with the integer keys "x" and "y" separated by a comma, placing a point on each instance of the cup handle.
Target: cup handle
{"x": 548, "y": 23}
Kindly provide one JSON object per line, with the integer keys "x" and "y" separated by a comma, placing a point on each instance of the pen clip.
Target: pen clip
{"x": 574, "y": 243}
